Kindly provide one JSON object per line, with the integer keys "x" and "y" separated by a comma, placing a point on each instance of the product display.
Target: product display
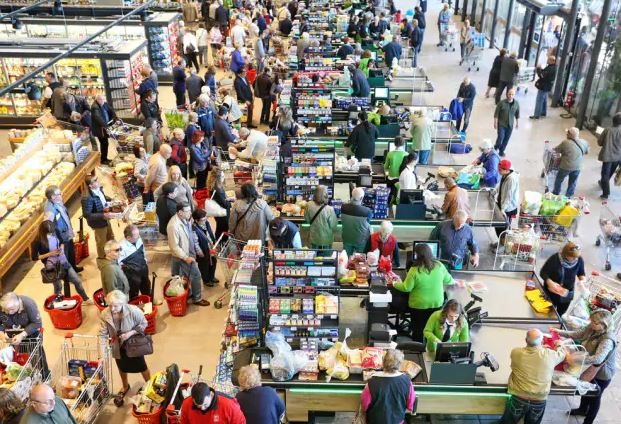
{"x": 309, "y": 166}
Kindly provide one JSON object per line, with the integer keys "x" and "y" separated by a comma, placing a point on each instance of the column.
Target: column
{"x": 524, "y": 33}
{"x": 493, "y": 34}
{"x": 505, "y": 43}
{"x": 483, "y": 15}
{"x": 531, "y": 33}
{"x": 565, "y": 62}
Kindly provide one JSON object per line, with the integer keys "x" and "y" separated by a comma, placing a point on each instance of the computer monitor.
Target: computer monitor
{"x": 374, "y": 56}
{"x": 453, "y": 352}
{"x": 409, "y": 197}
{"x": 381, "y": 93}
{"x": 434, "y": 245}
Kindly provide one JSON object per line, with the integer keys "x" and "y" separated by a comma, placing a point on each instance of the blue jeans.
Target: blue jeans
{"x": 504, "y": 133}
{"x": 414, "y": 57}
{"x": 465, "y": 119}
{"x": 516, "y": 408}
{"x": 571, "y": 185}
{"x": 423, "y": 156}
{"x": 420, "y": 42}
{"x": 192, "y": 273}
{"x": 541, "y": 103}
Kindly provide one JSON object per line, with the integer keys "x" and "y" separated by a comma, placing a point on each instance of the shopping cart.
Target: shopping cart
{"x": 517, "y": 249}
{"x": 474, "y": 51}
{"x": 448, "y": 35}
{"x": 525, "y": 76}
{"x": 86, "y": 360}
{"x": 236, "y": 171}
{"x": 552, "y": 228}
{"x": 551, "y": 162}
{"x": 26, "y": 367}
{"x": 228, "y": 252}
{"x": 125, "y": 137}
{"x": 605, "y": 293}
{"x": 610, "y": 224}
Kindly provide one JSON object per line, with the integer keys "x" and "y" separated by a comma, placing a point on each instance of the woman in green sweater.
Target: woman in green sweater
{"x": 392, "y": 164}
{"x": 425, "y": 282}
{"x": 447, "y": 325}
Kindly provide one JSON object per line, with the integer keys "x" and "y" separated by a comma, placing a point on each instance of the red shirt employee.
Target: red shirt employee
{"x": 205, "y": 406}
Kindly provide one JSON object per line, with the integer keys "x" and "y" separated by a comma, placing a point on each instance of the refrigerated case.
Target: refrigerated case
{"x": 115, "y": 73}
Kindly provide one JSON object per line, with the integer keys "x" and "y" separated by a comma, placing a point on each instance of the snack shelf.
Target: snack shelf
{"x": 308, "y": 166}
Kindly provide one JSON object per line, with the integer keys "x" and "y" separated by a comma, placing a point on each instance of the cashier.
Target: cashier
{"x": 559, "y": 275}
{"x": 446, "y": 325}
{"x": 284, "y": 234}
{"x": 456, "y": 240}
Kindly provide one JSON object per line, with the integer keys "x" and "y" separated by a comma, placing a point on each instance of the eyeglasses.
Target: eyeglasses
{"x": 574, "y": 247}
{"x": 48, "y": 402}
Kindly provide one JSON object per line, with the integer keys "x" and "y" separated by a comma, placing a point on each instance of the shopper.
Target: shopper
{"x": 610, "y": 154}
{"x": 52, "y": 84}
{"x": 64, "y": 230}
{"x": 183, "y": 248}
{"x": 529, "y": 382}
{"x": 421, "y": 132}
{"x": 206, "y": 406}
{"x": 48, "y": 249}
{"x": 322, "y": 219}
{"x": 494, "y": 74}
{"x": 222, "y": 17}
{"x": 12, "y": 409}
{"x": 490, "y": 160}
{"x": 285, "y": 127}
{"x": 103, "y": 115}
{"x": 151, "y": 136}
{"x": 206, "y": 113}
{"x": 112, "y": 276}
{"x": 149, "y": 107}
{"x": 456, "y": 241}
{"x": 179, "y": 154}
{"x": 93, "y": 205}
{"x": 345, "y": 50}
{"x": 119, "y": 322}
{"x": 250, "y": 216}
{"x": 215, "y": 184}
{"x": 388, "y": 395}
{"x": 166, "y": 205}
{"x": 392, "y": 51}
{"x": 449, "y": 324}
{"x": 205, "y": 240}
{"x": 355, "y": 219}
{"x": 210, "y": 81}
{"x": 599, "y": 339}
{"x": 147, "y": 84}
{"x": 263, "y": 86}
{"x": 284, "y": 234}
{"x": 506, "y": 117}
{"x": 360, "y": 84}
{"x": 444, "y": 18}
{"x": 465, "y": 38}
{"x": 455, "y": 199}
{"x": 183, "y": 190}
{"x": 199, "y": 158}
{"x": 244, "y": 95}
{"x": 260, "y": 404}
{"x": 572, "y": 151}
{"x": 190, "y": 128}
{"x": 18, "y": 312}
{"x": 392, "y": 164}
{"x": 237, "y": 60}
{"x": 194, "y": 83}
{"x": 285, "y": 27}
{"x": 157, "y": 172}
{"x": 465, "y": 95}
{"x": 362, "y": 139}
{"x": 179, "y": 88}
{"x": 385, "y": 242}
{"x": 259, "y": 50}
{"x": 419, "y": 15}
{"x": 509, "y": 69}
{"x": 559, "y": 275}
{"x": 407, "y": 173}
{"x": 544, "y": 85}
{"x": 190, "y": 50}
{"x": 508, "y": 195}
{"x": 134, "y": 262}
{"x": 46, "y": 407}
{"x": 203, "y": 41}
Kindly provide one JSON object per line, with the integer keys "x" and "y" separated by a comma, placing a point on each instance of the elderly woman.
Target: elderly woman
{"x": 119, "y": 322}
{"x": 215, "y": 184}
{"x": 388, "y": 395}
{"x": 260, "y": 404}
{"x": 48, "y": 248}
{"x": 179, "y": 155}
{"x": 112, "y": 275}
{"x": 250, "y": 215}
{"x": 184, "y": 191}
{"x": 230, "y": 101}
{"x": 20, "y": 320}
{"x": 140, "y": 170}
{"x": 151, "y": 136}
{"x": 11, "y": 407}
{"x": 191, "y": 128}
{"x": 599, "y": 340}
{"x": 322, "y": 219}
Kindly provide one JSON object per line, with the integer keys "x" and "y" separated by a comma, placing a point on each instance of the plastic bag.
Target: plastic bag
{"x": 284, "y": 363}
{"x": 469, "y": 181}
{"x": 342, "y": 264}
{"x": 338, "y": 371}
{"x": 552, "y": 204}
{"x": 372, "y": 358}
{"x": 566, "y": 215}
{"x": 373, "y": 257}
{"x": 354, "y": 361}
{"x": 385, "y": 264}
{"x": 532, "y": 202}
{"x": 176, "y": 287}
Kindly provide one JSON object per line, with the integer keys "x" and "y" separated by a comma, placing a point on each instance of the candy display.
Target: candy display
{"x": 310, "y": 165}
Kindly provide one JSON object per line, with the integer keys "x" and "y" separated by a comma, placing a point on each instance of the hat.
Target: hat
{"x": 486, "y": 144}
{"x": 277, "y": 226}
{"x": 197, "y": 136}
{"x": 505, "y": 164}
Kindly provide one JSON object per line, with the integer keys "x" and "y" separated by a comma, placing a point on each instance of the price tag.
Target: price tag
{"x": 294, "y": 328}
{"x": 310, "y": 316}
{"x": 333, "y": 316}
{"x": 319, "y": 316}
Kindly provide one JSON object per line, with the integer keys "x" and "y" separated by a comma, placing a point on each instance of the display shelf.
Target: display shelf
{"x": 309, "y": 166}
{"x": 162, "y": 34}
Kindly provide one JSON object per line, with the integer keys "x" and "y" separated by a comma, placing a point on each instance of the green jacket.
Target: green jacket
{"x": 375, "y": 118}
{"x": 421, "y": 133}
{"x": 433, "y": 331}
{"x": 426, "y": 288}
{"x": 364, "y": 66}
{"x": 323, "y": 228}
{"x": 112, "y": 276}
{"x": 507, "y": 113}
{"x": 393, "y": 162}
{"x": 60, "y": 414}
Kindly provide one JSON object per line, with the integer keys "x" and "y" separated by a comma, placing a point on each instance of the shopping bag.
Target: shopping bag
{"x": 532, "y": 202}
{"x": 214, "y": 209}
{"x": 566, "y": 216}
{"x": 552, "y": 204}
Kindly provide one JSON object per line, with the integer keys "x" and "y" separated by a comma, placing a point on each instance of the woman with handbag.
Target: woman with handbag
{"x": 322, "y": 219}
{"x": 124, "y": 325}
{"x": 599, "y": 340}
{"x": 205, "y": 238}
{"x": 215, "y": 184}
{"x": 250, "y": 216}
{"x": 56, "y": 268}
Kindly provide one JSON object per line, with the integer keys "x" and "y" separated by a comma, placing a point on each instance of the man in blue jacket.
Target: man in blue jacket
{"x": 244, "y": 94}
{"x": 93, "y": 205}
{"x": 223, "y": 135}
{"x": 392, "y": 50}
{"x": 359, "y": 82}
{"x": 345, "y": 50}
{"x": 465, "y": 95}
{"x": 179, "y": 78}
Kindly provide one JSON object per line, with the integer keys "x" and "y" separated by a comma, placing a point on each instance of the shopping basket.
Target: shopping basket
{"x": 152, "y": 418}
{"x": 99, "y": 299}
{"x": 177, "y": 305}
{"x": 139, "y": 301}
{"x": 65, "y": 319}
{"x": 200, "y": 196}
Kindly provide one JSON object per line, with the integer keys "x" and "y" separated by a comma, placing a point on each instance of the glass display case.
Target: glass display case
{"x": 115, "y": 73}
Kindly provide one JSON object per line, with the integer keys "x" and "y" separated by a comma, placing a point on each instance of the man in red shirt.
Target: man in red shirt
{"x": 205, "y": 406}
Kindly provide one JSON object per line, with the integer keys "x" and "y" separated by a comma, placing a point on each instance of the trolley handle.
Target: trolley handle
{"x": 217, "y": 243}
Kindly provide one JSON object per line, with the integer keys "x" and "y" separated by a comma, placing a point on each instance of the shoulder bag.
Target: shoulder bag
{"x": 317, "y": 214}
{"x": 240, "y": 219}
{"x": 138, "y": 345}
{"x": 590, "y": 373}
{"x": 579, "y": 146}
{"x": 51, "y": 273}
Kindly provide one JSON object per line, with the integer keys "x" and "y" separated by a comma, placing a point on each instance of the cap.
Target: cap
{"x": 277, "y": 226}
{"x": 486, "y": 144}
{"x": 197, "y": 136}
{"x": 504, "y": 164}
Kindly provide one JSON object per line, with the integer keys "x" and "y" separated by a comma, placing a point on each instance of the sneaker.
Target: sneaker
{"x": 493, "y": 246}
{"x": 577, "y": 411}
{"x": 601, "y": 196}
{"x": 533, "y": 117}
{"x": 215, "y": 280}
{"x": 202, "y": 302}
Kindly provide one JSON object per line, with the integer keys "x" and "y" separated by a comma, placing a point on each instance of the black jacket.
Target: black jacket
{"x": 203, "y": 240}
{"x": 165, "y": 208}
{"x": 150, "y": 110}
{"x": 362, "y": 141}
{"x": 546, "y": 78}
{"x": 194, "y": 83}
{"x": 415, "y": 37}
{"x": 93, "y": 210}
{"x": 222, "y": 16}
{"x": 422, "y": 22}
{"x": 285, "y": 26}
{"x": 242, "y": 89}
{"x": 344, "y": 51}
{"x": 99, "y": 126}
{"x": 263, "y": 86}
{"x": 223, "y": 135}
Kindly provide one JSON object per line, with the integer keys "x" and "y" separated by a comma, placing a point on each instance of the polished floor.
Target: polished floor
{"x": 194, "y": 340}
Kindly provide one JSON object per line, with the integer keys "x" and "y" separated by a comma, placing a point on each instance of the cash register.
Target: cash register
{"x": 454, "y": 364}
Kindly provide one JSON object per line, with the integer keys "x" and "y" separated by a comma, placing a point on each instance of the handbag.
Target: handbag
{"x": 589, "y": 374}
{"x": 138, "y": 345}
{"x": 52, "y": 273}
{"x": 213, "y": 209}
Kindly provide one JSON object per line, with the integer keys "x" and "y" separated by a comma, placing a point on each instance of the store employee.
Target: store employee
{"x": 447, "y": 325}
{"x": 456, "y": 239}
{"x": 285, "y": 234}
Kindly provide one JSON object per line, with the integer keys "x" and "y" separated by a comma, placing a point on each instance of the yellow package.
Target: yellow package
{"x": 537, "y": 301}
{"x": 566, "y": 215}
{"x": 327, "y": 358}
{"x": 339, "y": 371}
{"x": 156, "y": 387}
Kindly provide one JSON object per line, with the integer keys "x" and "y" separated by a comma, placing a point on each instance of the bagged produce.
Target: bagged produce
{"x": 284, "y": 363}
{"x": 373, "y": 257}
{"x": 552, "y": 204}
{"x": 342, "y": 264}
{"x": 338, "y": 371}
{"x": 176, "y": 287}
{"x": 69, "y": 387}
{"x": 532, "y": 202}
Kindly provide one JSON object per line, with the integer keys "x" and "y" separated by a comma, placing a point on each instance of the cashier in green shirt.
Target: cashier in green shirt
{"x": 449, "y": 324}
{"x": 425, "y": 282}
{"x": 392, "y": 164}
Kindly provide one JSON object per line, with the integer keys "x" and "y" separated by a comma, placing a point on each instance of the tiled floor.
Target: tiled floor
{"x": 194, "y": 340}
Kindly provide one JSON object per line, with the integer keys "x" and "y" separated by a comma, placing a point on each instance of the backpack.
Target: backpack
{"x": 190, "y": 49}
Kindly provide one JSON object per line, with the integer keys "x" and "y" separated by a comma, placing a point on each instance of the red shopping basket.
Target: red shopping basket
{"x": 177, "y": 305}
{"x": 152, "y": 418}
{"x": 99, "y": 298}
{"x": 140, "y": 300}
{"x": 200, "y": 196}
{"x": 65, "y": 319}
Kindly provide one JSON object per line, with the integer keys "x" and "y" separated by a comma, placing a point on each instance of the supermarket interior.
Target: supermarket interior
{"x": 332, "y": 201}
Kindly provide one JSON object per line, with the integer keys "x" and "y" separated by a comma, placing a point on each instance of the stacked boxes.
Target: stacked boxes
{"x": 376, "y": 199}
